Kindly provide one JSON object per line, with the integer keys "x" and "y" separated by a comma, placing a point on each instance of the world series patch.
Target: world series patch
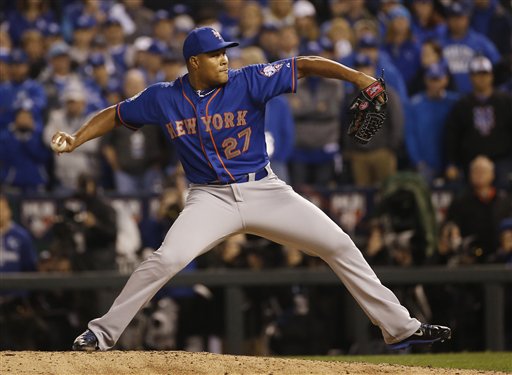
{"x": 270, "y": 70}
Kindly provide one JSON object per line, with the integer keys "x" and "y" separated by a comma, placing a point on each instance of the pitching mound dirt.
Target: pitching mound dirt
{"x": 183, "y": 363}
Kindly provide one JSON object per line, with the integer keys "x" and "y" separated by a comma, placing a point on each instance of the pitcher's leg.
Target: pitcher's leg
{"x": 289, "y": 219}
{"x": 204, "y": 222}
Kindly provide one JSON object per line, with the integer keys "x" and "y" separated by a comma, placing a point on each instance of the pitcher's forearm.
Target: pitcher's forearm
{"x": 100, "y": 124}
{"x": 320, "y": 66}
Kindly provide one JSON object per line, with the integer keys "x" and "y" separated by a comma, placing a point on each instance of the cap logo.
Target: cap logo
{"x": 217, "y": 35}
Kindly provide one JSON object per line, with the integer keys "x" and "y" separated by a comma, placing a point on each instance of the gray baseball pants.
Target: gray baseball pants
{"x": 268, "y": 208}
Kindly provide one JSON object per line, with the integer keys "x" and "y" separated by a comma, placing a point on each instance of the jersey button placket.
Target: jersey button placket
{"x": 205, "y": 136}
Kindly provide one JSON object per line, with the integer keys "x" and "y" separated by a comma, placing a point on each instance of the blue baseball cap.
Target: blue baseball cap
{"x": 96, "y": 59}
{"x": 437, "y": 70}
{"x": 399, "y": 11}
{"x": 204, "y": 40}
{"x": 157, "y": 48}
{"x": 85, "y": 22}
{"x": 4, "y": 55}
{"x": 52, "y": 29}
{"x": 368, "y": 41}
{"x": 162, "y": 15}
{"x": 458, "y": 8}
{"x": 18, "y": 56}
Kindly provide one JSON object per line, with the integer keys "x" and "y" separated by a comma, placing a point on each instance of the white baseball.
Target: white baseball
{"x": 59, "y": 144}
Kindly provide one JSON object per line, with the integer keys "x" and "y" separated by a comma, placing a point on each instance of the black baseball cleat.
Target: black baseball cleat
{"x": 87, "y": 341}
{"x": 426, "y": 334}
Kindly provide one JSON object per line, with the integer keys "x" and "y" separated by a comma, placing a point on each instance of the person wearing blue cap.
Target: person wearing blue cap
{"x": 461, "y": 43}
{"x": 98, "y": 82}
{"x": 83, "y": 35}
{"x": 426, "y": 23}
{"x": 154, "y": 60}
{"x": 400, "y": 44}
{"x": 426, "y": 120}
{"x": 118, "y": 49}
{"x": 23, "y": 155}
{"x": 20, "y": 86}
{"x": 215, "y": 117}
{"x": 493, "y": 20}
{"x": 163, "y": 28}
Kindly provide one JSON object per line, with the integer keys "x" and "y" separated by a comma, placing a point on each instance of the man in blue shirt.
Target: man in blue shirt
{"x": 424, "y": 129}
{"x": 461, "y": 44}
{"x": 215, "y": 117}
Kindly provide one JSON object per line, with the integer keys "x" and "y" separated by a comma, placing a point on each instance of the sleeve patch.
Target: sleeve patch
{"x": 270, "y": 70}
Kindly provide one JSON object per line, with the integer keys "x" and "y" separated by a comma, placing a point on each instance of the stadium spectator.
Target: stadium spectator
{"x": 141, "y": 17}
{"x": 230, "y": 17}
{"x": 426, "y": 22}
{"x": 400, "y": 44}
{"x": 479, "y": 210}
{"x": 373, "y": 163}
{"x": 118, "y": 50}
{"x": 32, "y": 42}
{"x": 316, "y": 110}
{"x": 306, "y": 24}
{"x": 136, "y": 158}
{"x": 52, "y": 34}
{"x": 70, "y": 117}
{"x": 23, "y": 156}
{"x": 431, "y": 53}
{"x": 350, "y": 10}
{"x": 163, "y": 28}
{"x": 279, "y": 13}
{"x": 268, "y": 40}
{"x": 504, "y": 252}
{"x": 20, "y": 88}
{"x": 425, "y": 125}
{"x": 30, "y": 14}
{"x": 84, "y": 32}
{"x": 338, "y": 38}
{"x": 57, "y": 75}
{"x": 491, "y": 19}
{"x": 154, "y": 61}
{"x": 73, "y": 10}
{"x": 251, "y": 21}
{"x": 461, "y": 43}
{"x": 480, "y": 124}
{"x": 17, "y": 254}
{"x": 99, "y": 83}
{"x": 289, "y": 42}
{"x": 173, "y": 66}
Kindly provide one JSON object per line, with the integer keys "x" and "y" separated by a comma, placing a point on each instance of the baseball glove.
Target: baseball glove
{"x": 368, "y": 112}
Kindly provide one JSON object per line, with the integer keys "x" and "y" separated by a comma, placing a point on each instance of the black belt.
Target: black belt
{"x": 262, "y": 173}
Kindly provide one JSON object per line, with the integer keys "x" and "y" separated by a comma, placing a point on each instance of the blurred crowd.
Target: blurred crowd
{"x": 448, "y": 69}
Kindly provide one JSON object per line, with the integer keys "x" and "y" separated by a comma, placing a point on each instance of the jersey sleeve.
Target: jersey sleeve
{"x": 141, "y": 109}
{"x": 269, "y": 80}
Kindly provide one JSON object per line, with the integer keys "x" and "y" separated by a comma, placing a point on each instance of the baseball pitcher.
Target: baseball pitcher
{"x": 215, "y": 118}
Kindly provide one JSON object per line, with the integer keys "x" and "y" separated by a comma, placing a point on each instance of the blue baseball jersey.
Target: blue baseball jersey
{"x": 219, "y": 137}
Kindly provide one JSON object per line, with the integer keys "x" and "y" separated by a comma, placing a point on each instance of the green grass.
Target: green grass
{"x": 490, "y": 361}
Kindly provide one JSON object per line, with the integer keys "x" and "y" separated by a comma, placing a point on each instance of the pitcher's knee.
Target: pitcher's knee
{"x": 171, "y": 262}
{"x": 336, "y": 245}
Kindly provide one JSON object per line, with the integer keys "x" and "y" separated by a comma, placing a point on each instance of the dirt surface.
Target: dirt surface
{"x": 183, "y": 363}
